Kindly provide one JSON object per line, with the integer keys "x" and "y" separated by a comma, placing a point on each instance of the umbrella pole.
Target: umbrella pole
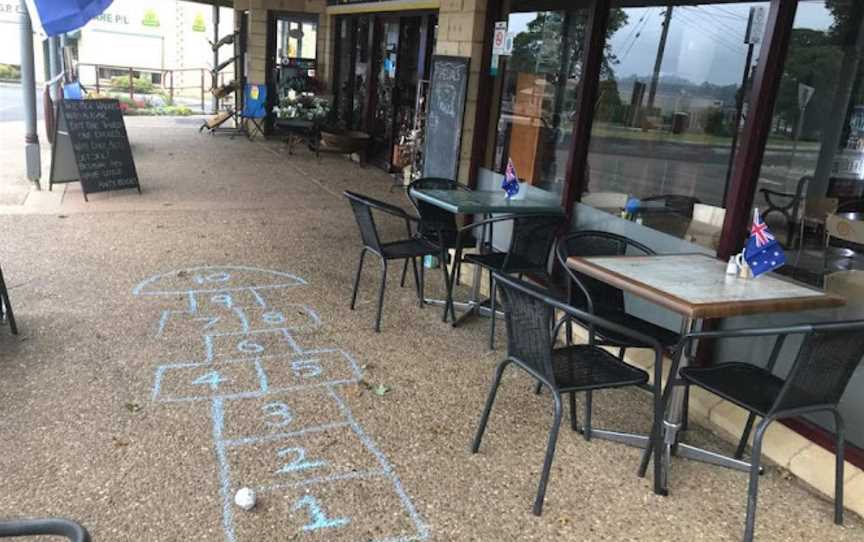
{"x": 28, "y": 89}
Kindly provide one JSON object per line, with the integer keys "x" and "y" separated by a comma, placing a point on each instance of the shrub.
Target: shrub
{"x": 8, "y": 71}
{"x": 139, "y": 84}
{"x": 715, "y": 123}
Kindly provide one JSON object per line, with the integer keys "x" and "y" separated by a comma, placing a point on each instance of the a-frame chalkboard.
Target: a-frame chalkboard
{"x": 448, "y": 88}
{"x": 91, "y": 147}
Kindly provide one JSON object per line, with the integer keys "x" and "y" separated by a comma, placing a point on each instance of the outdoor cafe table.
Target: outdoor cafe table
{"x": 481, "y": 202}
{"x": 696, "y": 287}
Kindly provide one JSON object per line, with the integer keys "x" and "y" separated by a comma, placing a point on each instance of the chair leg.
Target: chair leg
{"x": 574, "y": 422}
{"x": 621, "y": 351}
{"x": 753, "y": 489}
{"x": 685, "y": 410}
{"x": 490, "y": 399}
{"x": 447, "y": 286}
{"x": 420, "y": 285}
{"x": 381, "y": 294}
{"x": 416, "y": 275}
{"x": 492, "y": 297}
{"x": 745, "y": 436}
{"x": 838, "y": 474}
{"x": 404, "y": 273}
{"x": 538, "y": 389}
{"x": 6, "y": 306}
{"x": 586, "y": 426}
{"x": 357, "y": 278}
{"x": 550, "y": 454}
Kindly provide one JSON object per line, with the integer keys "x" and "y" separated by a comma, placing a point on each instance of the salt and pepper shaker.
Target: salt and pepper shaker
{"x": 731, "y": 267}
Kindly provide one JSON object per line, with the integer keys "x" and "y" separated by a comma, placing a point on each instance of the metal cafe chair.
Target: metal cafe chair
{"x": 409, "y": 248}
{"x": 601, "y": 299}
{"x": 828, "y": 357}
{"x": 6, "y": 306}
{"x": 531, "y": 241}
{"x": 46, "y": 527}
{"x": 529, "y": 311}
{"x": 848, "y": 228}
{"x": 434, "y": 219}
{"x": 786, "y": 204}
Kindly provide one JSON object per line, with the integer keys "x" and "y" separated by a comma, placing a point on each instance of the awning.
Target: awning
{"x": 55, "y": 17}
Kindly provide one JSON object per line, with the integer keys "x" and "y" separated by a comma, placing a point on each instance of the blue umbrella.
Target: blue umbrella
{"x": 59, "y": 16}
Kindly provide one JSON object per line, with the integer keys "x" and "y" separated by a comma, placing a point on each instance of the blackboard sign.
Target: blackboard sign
{"x": 91, "y": 146}
{"x": 447, "y": 91}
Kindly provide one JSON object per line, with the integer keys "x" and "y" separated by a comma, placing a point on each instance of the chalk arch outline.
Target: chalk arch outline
{"x": 141, "y": 288}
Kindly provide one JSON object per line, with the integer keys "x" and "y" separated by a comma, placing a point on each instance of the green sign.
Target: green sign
{"x": 150, "y": 18}
{"x": 198, "y": 24}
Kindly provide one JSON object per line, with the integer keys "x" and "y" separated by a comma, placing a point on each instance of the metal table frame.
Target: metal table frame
{"x": 486, "y": 204}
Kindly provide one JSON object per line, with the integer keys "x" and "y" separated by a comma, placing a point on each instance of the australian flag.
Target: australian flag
{"x": 762, "y": 252}
{"x": 510, "y": 184}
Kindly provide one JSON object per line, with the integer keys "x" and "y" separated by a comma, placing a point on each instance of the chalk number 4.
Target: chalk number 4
{"x": 212, "y": 379}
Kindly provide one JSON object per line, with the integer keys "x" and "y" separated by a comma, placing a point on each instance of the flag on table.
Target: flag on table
{"x": 510, "y": 184}
{"x": 762, "y": 252}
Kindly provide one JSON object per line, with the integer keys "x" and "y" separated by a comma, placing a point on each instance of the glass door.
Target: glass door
{"x": 384, "y": 111}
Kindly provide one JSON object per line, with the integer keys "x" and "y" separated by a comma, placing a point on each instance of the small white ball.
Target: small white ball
{"x": 245, "y": 498}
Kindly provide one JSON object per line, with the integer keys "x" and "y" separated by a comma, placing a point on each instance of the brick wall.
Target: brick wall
{"x": 461, "y": 24}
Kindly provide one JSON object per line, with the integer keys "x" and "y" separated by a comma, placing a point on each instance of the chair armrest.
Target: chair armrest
{"x": 743, "y": 333}
{"x": 49, "y": 526}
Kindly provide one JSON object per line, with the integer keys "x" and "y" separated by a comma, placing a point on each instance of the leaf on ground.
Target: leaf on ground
{"x": 119, "y": 443}
{"x": 380, "y": 390}
{"x": 134, "y": 407}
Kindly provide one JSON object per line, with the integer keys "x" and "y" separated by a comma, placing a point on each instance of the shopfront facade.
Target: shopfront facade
{"x": 704, "y": 109}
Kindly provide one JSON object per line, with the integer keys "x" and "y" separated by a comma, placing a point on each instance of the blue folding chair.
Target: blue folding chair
{"x": 254, "y": 107}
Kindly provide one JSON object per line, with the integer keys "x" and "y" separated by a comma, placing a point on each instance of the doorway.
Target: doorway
{"x": 382, "y": 60}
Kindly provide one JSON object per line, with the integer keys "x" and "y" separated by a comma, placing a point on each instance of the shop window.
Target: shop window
{"x": 296, "y": 53}
{"x": 811, "y": 184}
{"x": 669, "y": 109}
{"x": 539, "y": 83}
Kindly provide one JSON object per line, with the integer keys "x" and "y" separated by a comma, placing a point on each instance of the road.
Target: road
{"x": 12, "y": 104}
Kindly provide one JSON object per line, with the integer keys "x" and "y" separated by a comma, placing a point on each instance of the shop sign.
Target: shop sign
{"x": 11, "y": 11}
{"x": 151, "y": 18}
{"x": 198, "y": 24}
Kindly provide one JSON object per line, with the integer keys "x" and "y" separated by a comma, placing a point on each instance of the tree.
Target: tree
{"x": 542, "y": 48}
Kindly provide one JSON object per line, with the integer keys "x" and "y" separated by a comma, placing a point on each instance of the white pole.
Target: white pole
{"x": 28, "y": 90}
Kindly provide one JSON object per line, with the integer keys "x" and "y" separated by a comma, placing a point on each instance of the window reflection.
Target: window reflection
{"x": 812, "y": 178}
{"x": 540, "y": 82}
{"x": 670, "y": 103}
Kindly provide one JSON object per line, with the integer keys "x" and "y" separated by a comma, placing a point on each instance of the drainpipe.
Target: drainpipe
{"x": 215, "y": 82}
{"x": 28, "y": 90}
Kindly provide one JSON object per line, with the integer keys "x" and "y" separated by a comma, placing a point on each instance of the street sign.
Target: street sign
{"x": 805, "y": 93}
{"x": 499, "y": 39}
{"x": 755, "y": 26}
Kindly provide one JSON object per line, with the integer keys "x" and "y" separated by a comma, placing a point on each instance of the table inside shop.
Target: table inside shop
{"x": 696, "y": 287}
{"x": 484, "y": 203}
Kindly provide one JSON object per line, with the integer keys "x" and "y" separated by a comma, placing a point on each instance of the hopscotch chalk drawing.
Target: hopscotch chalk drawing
{"x": 280, "y": 426}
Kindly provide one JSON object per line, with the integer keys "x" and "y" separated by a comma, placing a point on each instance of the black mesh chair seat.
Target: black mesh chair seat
{"x": 497, "y": 260}
{"x": 586, "y": 367}
{"x": 748, "y": 386}
{"x": 410, "y": 248}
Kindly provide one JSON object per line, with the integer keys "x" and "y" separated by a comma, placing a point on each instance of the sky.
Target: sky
{"x": 705, "y": 43}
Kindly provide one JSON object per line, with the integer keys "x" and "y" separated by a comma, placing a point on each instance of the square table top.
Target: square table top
{"x": 486, "y": 201}
{"x": 696, "y": 285}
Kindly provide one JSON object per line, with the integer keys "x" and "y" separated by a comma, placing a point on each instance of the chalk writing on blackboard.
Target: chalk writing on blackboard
{"x": 91, "y": 146}
{"x": 447, "y": 94}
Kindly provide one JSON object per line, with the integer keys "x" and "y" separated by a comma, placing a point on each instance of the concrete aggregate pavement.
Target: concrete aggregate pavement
{"x": 81, "y": 435}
